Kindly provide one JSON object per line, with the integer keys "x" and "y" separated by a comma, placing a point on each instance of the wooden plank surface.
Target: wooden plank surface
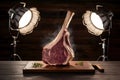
{"x": 13, "y": 70}
{"x": 74, "y": 66}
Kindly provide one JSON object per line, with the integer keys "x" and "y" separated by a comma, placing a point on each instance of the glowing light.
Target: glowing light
{"x": 25, "y": 19}
{"x": 93, "y": 23}
{"x": 96, "y": 20}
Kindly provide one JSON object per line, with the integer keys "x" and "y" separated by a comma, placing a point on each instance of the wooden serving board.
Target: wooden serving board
{"x": 74, "y": 66}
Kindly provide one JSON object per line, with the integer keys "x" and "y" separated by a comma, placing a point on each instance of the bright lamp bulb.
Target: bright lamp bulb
{"x": 33, "y": 17}
{"x": 93, "y": 22}
{"x": 25, "y": 19}
{"x": 96, "y": 20}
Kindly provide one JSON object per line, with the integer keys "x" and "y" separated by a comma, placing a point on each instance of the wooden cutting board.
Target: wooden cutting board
{"x": 74, "y": 66}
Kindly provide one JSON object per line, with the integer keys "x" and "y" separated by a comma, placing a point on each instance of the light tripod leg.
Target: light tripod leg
{"x": 16, "y": 57}
{"x": 103, "y": 56}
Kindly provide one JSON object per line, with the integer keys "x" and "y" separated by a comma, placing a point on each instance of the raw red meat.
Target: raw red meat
{"x": 59, "y": 51}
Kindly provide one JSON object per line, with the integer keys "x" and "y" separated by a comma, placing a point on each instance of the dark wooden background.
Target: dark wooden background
{"x": 52, "y": 12}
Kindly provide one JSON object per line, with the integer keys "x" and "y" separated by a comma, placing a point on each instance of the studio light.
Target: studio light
{"x": 99, "y": 23}
{"x": 22, "y": 20}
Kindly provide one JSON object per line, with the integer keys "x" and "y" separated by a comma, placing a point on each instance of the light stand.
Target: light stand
{"x": 105, "y": 40}
{"x": 14, "y": 33}
{"x": 99, "y": 23}
{"x": 15, "y": 55}
{"x": 22, "y": 20}
{"x": 103, "y": 56}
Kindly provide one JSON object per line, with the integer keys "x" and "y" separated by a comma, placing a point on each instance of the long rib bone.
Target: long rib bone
{"x": 64, "y": 27}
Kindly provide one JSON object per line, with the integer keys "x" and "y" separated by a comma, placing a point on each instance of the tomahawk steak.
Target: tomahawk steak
{"x": 59, "y": 51}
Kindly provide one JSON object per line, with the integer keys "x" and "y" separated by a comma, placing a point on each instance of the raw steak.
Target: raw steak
{"x": 59, "y": 51}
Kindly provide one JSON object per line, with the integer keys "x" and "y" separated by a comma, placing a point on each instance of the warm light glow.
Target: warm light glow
{"x": 33, "y": 22}
{"x": 96, "y": 20}
{"x": 93, "y": 23}
{"x": 25, "y": 19}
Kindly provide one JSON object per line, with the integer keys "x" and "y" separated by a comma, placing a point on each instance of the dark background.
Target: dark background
{"x": 52, "y": 12}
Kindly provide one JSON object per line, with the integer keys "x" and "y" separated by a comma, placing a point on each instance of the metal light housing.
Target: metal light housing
{"x": 96, "y": 21}
{"x": 24, "y": 19}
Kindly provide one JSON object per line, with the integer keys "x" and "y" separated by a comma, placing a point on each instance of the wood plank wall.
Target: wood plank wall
{"x": 52, "y": 12}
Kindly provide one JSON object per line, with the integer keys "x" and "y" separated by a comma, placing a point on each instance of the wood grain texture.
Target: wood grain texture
{"x": 12, "y": 70}
{"x": 81, "y": 67}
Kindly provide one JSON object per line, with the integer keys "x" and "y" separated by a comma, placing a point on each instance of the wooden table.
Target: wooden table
{"x": 13, "y": 70}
